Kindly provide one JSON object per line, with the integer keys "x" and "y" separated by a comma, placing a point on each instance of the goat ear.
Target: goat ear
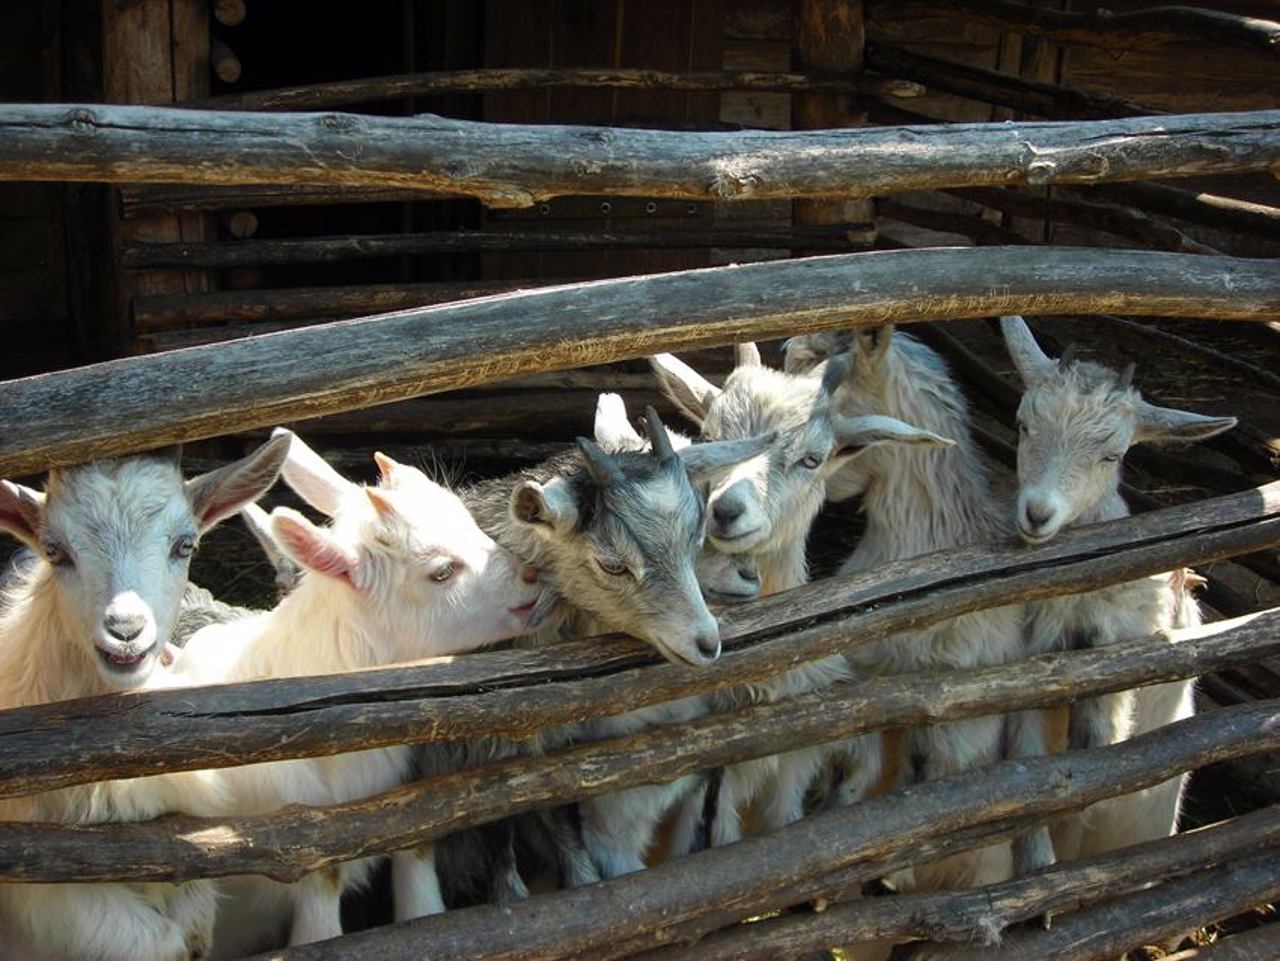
{"x": 310, "y": 475}
{"x": 548, "y": 508}
{"x": 389, "y": 469}
{"x": 21, "y": 513}
{"x": 688, "y": 389}
{"x": 613, "y": 431}
{"x": 1032, "y": 362}
{"x": 855, "y": 434}
{"x": 259, "y": 523}
{"x": 703, "y": 459}
{"x": 311, "y": 547}
{"x": 222, "y": 492}
{"x": 1167, "y": 424}
{"x": 873, "y": 343}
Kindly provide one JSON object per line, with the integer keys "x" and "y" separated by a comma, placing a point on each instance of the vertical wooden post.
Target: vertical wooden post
{"x": 153, "y": 52}
{"x": 828, "y": 36}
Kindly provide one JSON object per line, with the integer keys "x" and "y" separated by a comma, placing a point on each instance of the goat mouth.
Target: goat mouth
{"x": 127, "y": 661}
{"x": 1035, "y": 539}
{"x": 731, "y": 540}
{"x": 729, "y": 597}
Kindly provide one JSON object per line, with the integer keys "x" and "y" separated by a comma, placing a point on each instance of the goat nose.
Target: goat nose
{"x": 726, "y": 511}
{"x": 529, "y": 575}
{"x": 749, "y": 574}
{"x": 708, "y": 645}
{"x": 1037, "y": 515}
{"x": 125, "y": 627}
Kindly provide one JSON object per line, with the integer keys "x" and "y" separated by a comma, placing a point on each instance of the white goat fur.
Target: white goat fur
{"x": 1076, "y": 421}
{"x": 403, "y": 573}
{"x": 765, "y": 507}
{"x": 917, "y": 500}
{"x": 121, "y": 532}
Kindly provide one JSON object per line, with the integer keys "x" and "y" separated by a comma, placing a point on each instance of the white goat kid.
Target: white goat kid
{"x": 1076, "y": 422}
{"x": 764, "y": 508}
{"x": 402, "y": 573}
{"x": 92, "y": 615}
{"x": 917, "y": 500}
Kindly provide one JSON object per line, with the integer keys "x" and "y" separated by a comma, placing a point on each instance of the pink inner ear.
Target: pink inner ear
{"x": 18, "y": 518}
{"x": 313, "y": 549}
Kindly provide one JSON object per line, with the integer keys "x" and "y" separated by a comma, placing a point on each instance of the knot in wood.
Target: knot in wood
{"x": 339, "y": 122}
{"x": 82, "y": 121}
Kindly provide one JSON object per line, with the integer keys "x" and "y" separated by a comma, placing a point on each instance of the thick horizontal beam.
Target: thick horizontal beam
{"x": 768, "y": 872}
{"x": 341, "y": 93}
{"x": 520, "y": 692}
{"x": 980, "y": 915}
{"x": 144, "y": 402}
{"x": 507, "y": 165}
{"x": 1105, "y": 28}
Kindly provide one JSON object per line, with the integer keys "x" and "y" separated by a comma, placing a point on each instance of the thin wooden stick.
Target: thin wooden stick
{"x": 982, "y": 914}
{"x": 143, "y": 402}
{"x": 345, "y": 92}
{"x": 518, "y": 693}
{"x": 335, "y": 249}
{"x": 1027, "y": 96}
{"x": 1115, "y": 31}
{"x": 512, "y": 165}
{"x": 1161, "y": 913}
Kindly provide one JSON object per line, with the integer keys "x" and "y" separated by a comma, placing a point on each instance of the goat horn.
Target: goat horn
{"x": 1126, "y": 376}
{"x": 746, "y": 354}
{"x": 658, "y": 437}
{"x": 837, "y": 370}
{"x": 1068, "y": 357}
{"x": 600, "y": 465}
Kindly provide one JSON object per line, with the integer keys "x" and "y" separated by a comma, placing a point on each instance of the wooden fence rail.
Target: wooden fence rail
{"x": 820, "y": 856}
{"x": 142, "y": 402}
{"x": 517, "y": 693}
{"x": 517, "y": 165}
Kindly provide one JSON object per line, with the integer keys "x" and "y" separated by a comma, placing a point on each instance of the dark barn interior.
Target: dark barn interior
{"x": 94, "y": 271}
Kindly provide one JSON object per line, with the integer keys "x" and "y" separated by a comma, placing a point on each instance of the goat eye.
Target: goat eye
{"x": 810, "y": 461}
{"x": 1110, "y": 458}
{"x": 57, "y": 556}
{"x": 184, "y": 546}
{"x": 1022, "y": 429}
{"x": 611, "y": 565}
{"x": 442, "y": 571}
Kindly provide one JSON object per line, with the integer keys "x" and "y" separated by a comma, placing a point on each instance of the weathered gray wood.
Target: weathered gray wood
{"x": 1104, "y": 28}
{"x": 981, "y": 914}
{"x": 333, "y": 249}
{"x": 1164, "y": 912}
{"x": 1028, "y": 96}
{"x": 344, "y": 92}
{"x": 517, "y": 693}
{"x": 142, "y": 200}
{"x": 143, "y": 402}
{"x": 764, "y": 873}
{"x": 509, "y": 165}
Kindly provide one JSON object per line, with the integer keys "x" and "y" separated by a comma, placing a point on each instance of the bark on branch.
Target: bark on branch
{"x": 517, "y": 165}
{"x": 143, "y": 402}
{"x": 517, "y": 693}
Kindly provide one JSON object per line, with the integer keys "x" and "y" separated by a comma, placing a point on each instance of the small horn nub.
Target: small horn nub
{"x": 746, "y": 354}
{"x": 1068, "y": 357}
{"x": 1126, "y": 376}
{"x": 835, "y": 374}
{"x": 599, "y": 464}
{"x": 658, "y": 437}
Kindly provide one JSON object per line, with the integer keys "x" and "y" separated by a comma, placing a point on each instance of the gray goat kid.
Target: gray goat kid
{"x": 1076, "y": 422}
{"x": 764, "y": 508}
{"x": 616, "y": 536}
{"x": 917, "y": 500}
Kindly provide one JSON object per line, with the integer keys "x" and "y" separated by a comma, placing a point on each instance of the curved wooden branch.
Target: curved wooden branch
{"x": 294, "y": 841}
{"x": 708, "y": 890}
{"x": 508, "y": 165}
{"x": 144, "y": 402}
{"x": 980, "y": 914}
{"x": 344, "y": 92}
{"x": 519, "y": 692}
{"x": 1103, "y": 28}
